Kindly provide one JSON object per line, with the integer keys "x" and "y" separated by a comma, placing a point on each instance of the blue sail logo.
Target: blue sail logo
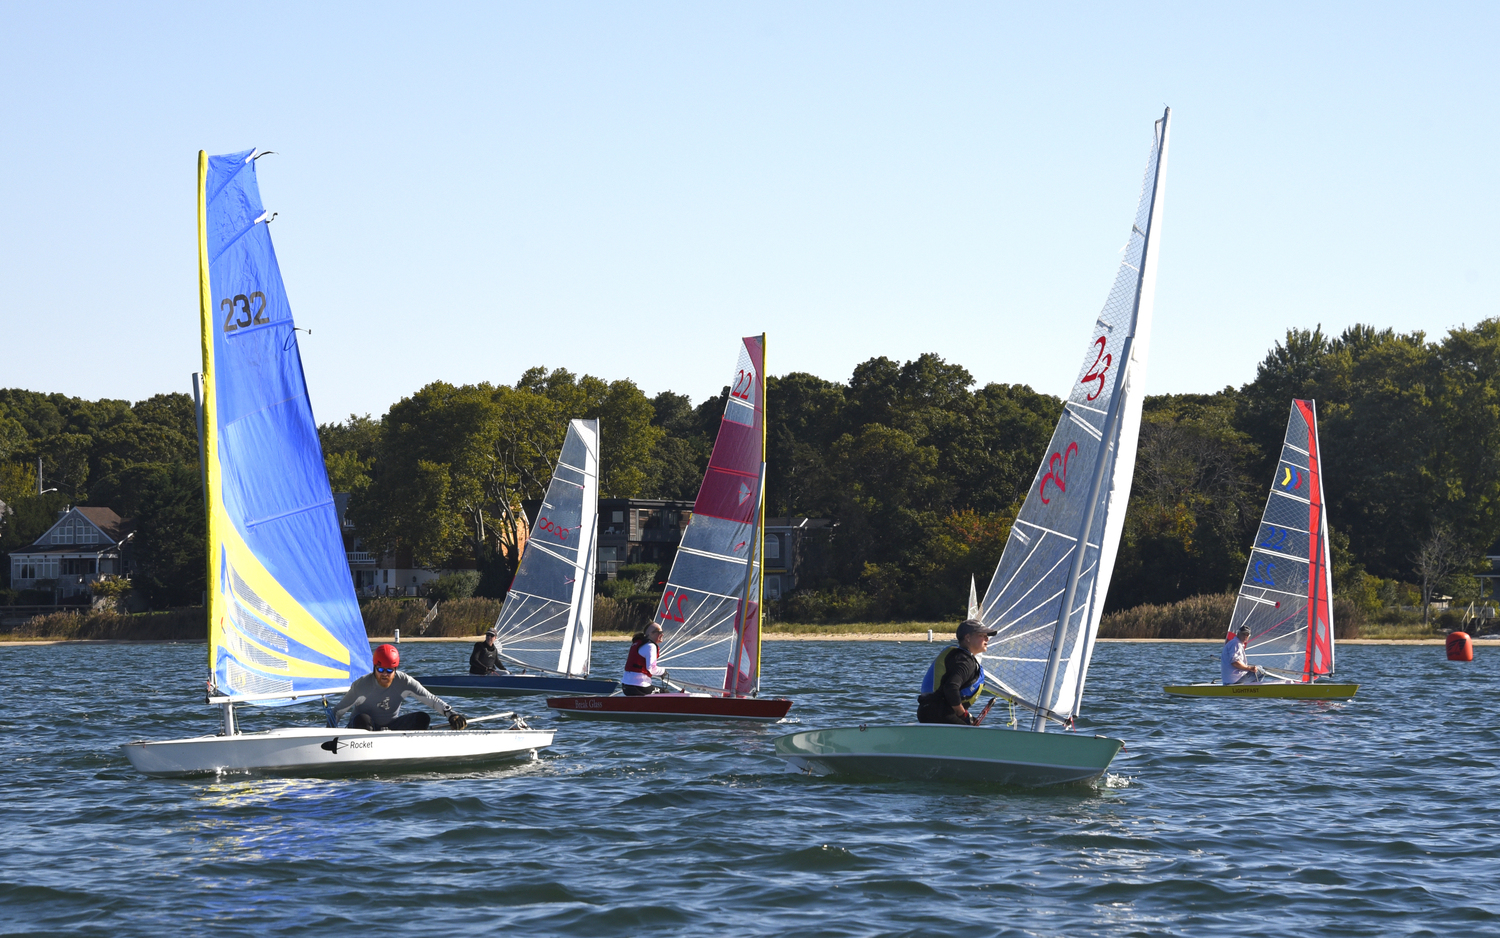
{"x": 1290, "y": 478}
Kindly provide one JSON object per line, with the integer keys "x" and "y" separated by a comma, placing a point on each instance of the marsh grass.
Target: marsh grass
{"x": 173, "y": 625}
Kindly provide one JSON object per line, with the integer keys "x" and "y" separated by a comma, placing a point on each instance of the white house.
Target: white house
{"x": 80, "y": 547}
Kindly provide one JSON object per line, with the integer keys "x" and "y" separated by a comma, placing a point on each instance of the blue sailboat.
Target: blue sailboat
{"x": 284, "y": 624}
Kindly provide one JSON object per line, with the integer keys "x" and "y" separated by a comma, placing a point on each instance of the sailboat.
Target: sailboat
{"x": 1047, "y": 594}
{"x": 546, "y": 625}
{"x": 284, "y": 625}
{"x": 710, "y": 610}
{"x": 1286, "y": 598}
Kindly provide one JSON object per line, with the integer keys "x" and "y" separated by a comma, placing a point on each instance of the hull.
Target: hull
{"x": 942, "y": 752}
{"x": 320, "y": 751}
{"x": 1319, "y": 690}
{"x": 668, "y": 708}
{"x": 519, "y": 685}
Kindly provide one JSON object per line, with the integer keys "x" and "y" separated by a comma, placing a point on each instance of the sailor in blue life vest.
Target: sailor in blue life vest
{"x": 955, "y": 678}
{"x": 641, "y": 664}
{"x": 1233, "y": 669}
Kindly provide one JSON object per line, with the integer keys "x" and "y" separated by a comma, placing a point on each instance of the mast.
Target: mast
{"x": 1109, "y": 451}
{"x": 760, "y": 530}
{"x": 208, "y": 437}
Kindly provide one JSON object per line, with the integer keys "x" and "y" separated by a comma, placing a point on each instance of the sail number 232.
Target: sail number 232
{"x": 241, "y": 311}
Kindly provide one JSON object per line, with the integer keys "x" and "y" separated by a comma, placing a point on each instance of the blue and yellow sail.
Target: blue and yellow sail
{"x": 283, "y": 617}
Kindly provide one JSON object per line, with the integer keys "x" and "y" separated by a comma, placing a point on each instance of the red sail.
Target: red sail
{"x": 1319, "y": 660}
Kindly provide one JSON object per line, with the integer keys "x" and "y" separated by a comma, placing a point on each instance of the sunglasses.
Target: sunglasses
{"x": 385, "y": 670}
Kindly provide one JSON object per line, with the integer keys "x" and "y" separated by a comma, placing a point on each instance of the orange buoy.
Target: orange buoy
{"x": 1460, "y": 646}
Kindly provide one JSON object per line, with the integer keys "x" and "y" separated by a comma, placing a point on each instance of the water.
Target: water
{"x": 1233, "y": 817}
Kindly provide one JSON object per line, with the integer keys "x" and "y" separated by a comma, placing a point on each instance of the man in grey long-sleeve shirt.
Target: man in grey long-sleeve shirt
{"x": 376, "y": 698}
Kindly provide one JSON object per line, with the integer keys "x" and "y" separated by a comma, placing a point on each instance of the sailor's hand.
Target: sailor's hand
{"x": 457, "y": 720}
{"x": 1259, "y": 672}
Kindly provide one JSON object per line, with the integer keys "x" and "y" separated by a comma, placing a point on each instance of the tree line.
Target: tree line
{"x": 920, "y": 469}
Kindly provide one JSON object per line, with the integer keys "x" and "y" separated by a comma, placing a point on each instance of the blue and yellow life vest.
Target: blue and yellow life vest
{"x": 934, "y": 677}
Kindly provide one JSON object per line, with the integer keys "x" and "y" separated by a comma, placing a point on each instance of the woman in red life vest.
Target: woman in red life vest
{"x": 640, "y": 663}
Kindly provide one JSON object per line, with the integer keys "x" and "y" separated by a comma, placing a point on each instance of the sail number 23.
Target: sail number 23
{"x": 1095, "y": 372}
{"x": 241, "y": 311}
{"x": 1057, "y": 472}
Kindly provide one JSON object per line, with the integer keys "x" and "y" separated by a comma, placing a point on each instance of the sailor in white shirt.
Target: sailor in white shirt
{"x": 1233, "y": 669}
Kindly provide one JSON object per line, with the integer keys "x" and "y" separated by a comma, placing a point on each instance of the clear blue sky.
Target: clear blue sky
{"x": 624, "y": 189}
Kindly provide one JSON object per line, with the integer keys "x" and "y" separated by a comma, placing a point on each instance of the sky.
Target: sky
{"x": 468, "y": 190}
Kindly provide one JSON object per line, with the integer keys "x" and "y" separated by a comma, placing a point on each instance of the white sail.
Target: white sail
{"x": 547, "y": 621}
{"x": 1048, "y": 591}
{"x": 973, "y": 599}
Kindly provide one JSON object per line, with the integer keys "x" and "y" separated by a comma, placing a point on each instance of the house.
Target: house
{"x": 646, "y": 530}
{"x": 82, "y": 546}
{"x": 790, "y": 550}
{"x": 639, "y": 530}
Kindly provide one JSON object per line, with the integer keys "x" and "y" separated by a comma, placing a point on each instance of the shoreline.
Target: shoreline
{"x": 916, "y": 637}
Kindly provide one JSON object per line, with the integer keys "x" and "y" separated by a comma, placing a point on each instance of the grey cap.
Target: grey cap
{"x": 492, "y": 631}
{"x": 1244, "y": 630}
{"x": 970, "y": 626}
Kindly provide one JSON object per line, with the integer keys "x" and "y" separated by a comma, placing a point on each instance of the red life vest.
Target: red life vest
{"x": 634, "y": 660}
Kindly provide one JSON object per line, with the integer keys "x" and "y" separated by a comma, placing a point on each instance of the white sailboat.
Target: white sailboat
{"x": 283, "y": 622}
{"x": 1286, "y": 597}
{"x": 546, "y": 625}
{"x": 1048, "y": 592}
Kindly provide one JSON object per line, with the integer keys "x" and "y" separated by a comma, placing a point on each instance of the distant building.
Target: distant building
{"x": 389, "y": 574}
{"x": 83, "y": 545}
{"x": 639, "y": 530}
{"x": 789, "y": 551}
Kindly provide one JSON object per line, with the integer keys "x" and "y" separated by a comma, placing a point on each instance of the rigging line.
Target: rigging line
{"x": 521, "y": 623}
{"x": 1038, "y": 582}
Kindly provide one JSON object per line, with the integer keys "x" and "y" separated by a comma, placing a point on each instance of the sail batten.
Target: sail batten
{"x": 1057, "y": 563}
{"x": 283, "y": 617}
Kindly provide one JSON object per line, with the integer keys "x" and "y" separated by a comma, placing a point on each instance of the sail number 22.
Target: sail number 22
{"x": 240, "y": 311}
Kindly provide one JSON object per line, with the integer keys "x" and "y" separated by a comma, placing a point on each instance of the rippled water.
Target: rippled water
{"x": 1371, "y": 817}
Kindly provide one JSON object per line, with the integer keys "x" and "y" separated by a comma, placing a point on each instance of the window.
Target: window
{"x": 773, "y": 547}
{"x": 773, "y": 587}
{"x": 617, "y": 517}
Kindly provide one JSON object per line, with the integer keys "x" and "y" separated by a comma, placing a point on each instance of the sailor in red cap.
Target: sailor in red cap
{"x": 376, "y": 698}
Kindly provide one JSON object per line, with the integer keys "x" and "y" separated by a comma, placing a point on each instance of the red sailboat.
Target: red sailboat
{"x": 710, "y": 611}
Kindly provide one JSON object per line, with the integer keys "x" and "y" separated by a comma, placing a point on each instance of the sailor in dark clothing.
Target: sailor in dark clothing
{"x": 485, "y": 658}
{"x": 955, "y": 679}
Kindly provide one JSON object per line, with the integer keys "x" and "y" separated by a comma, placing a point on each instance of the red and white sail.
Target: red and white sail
{"x": 711, "y": 609}
{"x": 1287, "y": 595}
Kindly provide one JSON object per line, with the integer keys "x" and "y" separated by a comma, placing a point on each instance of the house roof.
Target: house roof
{"x": 105, "y": 519}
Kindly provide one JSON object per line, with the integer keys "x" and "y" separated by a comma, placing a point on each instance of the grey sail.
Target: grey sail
{"x": 547, "y": 620}
{"x": 1048, "y": 591}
